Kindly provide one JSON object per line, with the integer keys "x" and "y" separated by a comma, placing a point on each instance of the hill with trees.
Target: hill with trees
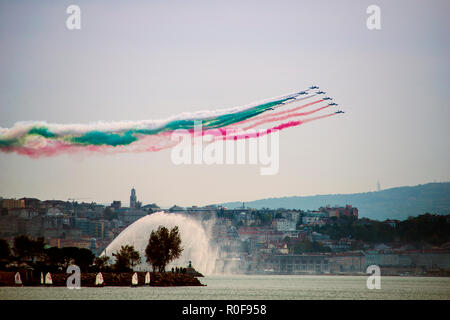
{"x": 395, "y": 203}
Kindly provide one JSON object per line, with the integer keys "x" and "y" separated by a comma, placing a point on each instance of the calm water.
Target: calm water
{"x": 255, "y": 287}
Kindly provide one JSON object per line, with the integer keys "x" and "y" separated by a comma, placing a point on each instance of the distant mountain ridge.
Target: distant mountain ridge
{"x": 395, "y": 203}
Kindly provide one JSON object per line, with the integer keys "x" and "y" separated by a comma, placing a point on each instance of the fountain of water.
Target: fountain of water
{"x": 194, "y": 240}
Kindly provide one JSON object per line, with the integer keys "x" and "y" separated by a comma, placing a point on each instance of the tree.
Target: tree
{"x": 426, "y": 228}
{"x": 38, "y": 248}
{"x": 84, "y": 258}
{"x": 126, "y": 258}
{"x": 163, "y": 247}
{"x": 101, "y": 262}
{"x": 26, "y": 248}
{"x": 309, "y": 246}
{"x": 266, "y": 219}
{"x": 54, "y": 256}
{"x": 22, "y": 247}
{"x": 69, "y": 254}
{"x": 5, "y": 250}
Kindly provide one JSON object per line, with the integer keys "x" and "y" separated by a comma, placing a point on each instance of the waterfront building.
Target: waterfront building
{"x": 301, "y": 263}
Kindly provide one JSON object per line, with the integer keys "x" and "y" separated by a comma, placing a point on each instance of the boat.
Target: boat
{"x": 99, "y": 280}
{"x": 17, "y": 279}
{"x": 48, "y": 279}
{"x": 134, "y": 279}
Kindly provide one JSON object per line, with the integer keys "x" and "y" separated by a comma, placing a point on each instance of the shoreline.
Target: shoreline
{"x": 110, "y": 279}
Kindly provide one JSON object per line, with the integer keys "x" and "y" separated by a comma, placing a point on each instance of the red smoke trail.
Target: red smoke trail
{"x": 273, "y": 119}
{"x": 271, "y": 130}
{"x": 52, "y": 148}
{"x": 287, "y": 111}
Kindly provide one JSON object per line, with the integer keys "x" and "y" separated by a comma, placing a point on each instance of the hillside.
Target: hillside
{"x": 394, "y": 203}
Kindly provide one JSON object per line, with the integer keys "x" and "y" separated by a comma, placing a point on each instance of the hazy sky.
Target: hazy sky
{"x": 135, "y": 60}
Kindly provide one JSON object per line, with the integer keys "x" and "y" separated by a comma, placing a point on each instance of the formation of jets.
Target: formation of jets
{"x": 317, "y": 92}
{"x": 326, "y": 98}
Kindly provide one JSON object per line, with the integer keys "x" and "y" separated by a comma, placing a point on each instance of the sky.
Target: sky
{"x": 137, "y": 60}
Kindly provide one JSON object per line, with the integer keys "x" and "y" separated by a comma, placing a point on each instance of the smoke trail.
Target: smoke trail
{"x": 277, "y": 113}
{"x": 36, "y": 139}
{"x": 290, "y": 115}
{"x": 278, "y": 128}
{"x": 287, "y": 111}
{"x": 122, "y": 132}
{"x": 238, "y": 134}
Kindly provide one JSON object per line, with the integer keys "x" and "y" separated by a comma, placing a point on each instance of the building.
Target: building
{"x": 339, "y": 212}
{"x": 116, "y": 205}
{"x": 153, "y": 207}
{"x": 133, "y": 215}
{"x": 97, "y": 229}
{"x": 13, "y": 204}
{"x": 177, "y": 209}
{"x": 294, "y": 216}
{"x": 284, "y": 225}
{"x": 348, "y": 262}
{"x": 301, "y": 263}
{"x": 83, "y": 225}
{"x": 391, "y": 261}
{"x": 93, "y": 246}
{"x": 133, "y": 199}
{"x": 31, "y": 202}
{"x": 259, "y": 234}
{"x": 314, "y": 217}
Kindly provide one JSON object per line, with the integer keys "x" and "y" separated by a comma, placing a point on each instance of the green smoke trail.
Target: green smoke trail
{"x": 98, "y": 138}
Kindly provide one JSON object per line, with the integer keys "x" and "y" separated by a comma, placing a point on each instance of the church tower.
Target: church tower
{"x": 133, "y": 200}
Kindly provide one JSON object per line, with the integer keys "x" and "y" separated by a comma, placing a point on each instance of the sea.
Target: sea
{"x": 254, "y": 287}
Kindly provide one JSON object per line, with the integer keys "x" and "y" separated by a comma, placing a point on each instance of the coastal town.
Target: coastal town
{"x": 328, "y": 240}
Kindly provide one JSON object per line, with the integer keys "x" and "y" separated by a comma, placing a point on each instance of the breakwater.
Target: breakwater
{"x": 157, "y": 279}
